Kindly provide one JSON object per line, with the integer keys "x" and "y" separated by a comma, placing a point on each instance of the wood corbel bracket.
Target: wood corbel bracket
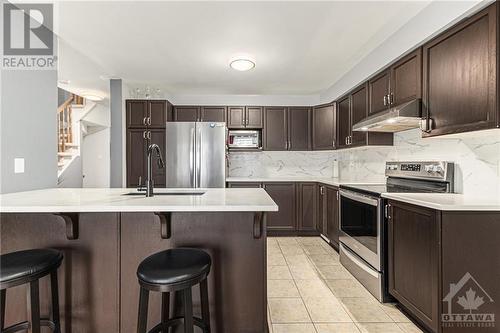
{"x": 258, "y": 224}
{"x": 165, "y": 224}
{"x": 71, "y": 221}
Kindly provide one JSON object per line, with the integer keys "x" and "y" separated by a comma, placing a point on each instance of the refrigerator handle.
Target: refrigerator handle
{"x": 193, "y": 157}
{"x": 199, "y": 140}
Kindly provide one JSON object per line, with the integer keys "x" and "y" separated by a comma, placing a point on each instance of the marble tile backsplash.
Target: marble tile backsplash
{"x": 476, "y": 156}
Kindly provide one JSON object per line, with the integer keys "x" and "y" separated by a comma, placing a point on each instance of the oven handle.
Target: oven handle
{"x": 359, "y": 197}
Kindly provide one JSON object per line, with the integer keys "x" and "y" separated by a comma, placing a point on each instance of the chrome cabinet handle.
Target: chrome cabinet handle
{"x": 149, "y": 135}
{"x": 333, "y": 143}
{"x": 385, "y": 100}
{"x": 391, "y": 98}
{"x": 144, "y": 121}
{"x": 149, "y": 121}
{"x": 321, "y": 190}
{"x": 144, "y": 135}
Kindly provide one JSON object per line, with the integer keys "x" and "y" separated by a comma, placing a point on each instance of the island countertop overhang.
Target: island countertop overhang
{"x": 87, "y": 200}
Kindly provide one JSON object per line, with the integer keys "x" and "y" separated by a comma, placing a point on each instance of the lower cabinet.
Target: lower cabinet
{"x": 307, "y": 207}
{"x": 413, "y": 250}
{"x": 328, "y": 220}
{"x": 285, "y": 220}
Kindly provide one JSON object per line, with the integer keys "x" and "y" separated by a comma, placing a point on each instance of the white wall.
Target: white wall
{"x": 434, "y": 18}
{"x": 96, "y": 159}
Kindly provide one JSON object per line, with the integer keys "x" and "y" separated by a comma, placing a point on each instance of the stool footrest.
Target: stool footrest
{"x": 23, "y": 326}
{"x": 161, "y": 327}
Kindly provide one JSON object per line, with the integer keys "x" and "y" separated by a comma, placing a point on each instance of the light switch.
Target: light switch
{"x": 19, "y": 165}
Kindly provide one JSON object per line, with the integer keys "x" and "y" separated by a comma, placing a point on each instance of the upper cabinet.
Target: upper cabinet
{"x": 148, "y": 113}
{"x": 287, "y": 128}
{"x": 197, "y": 113}
{"x": 244, "y": 117}
{"x": 398, "y": 84}
{"x": 460, "y": 77}
{"x": 323, "y": 127}
{"x": 351, "y": 109}
{"x": 379, "y": 89}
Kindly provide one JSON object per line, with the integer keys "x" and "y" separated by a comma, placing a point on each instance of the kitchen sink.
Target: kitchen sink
{"x": 167, "y": 193}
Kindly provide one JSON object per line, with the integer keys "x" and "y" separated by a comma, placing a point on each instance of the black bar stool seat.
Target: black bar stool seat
{"x": 28, "y": 266}
{"x": 174, "y": 270}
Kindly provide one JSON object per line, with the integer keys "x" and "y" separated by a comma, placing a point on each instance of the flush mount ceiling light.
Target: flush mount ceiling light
{"x": 242, "y": 63}
{"x": 93, "y": 97}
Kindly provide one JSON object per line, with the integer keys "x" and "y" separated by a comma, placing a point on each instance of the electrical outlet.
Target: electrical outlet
{"x": 19, "y": 165}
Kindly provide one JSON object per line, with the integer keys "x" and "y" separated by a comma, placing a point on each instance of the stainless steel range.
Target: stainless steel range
{"x": 363, "y": 240}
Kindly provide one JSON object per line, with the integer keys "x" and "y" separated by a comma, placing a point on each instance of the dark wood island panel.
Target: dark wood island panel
{"x": 97, "y": 280}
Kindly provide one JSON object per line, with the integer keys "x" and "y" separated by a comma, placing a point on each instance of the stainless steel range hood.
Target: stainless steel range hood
{"x": 398, "y": 118}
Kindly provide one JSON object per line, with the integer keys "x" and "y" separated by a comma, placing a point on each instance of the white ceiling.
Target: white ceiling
{"x": 300, "y": 48}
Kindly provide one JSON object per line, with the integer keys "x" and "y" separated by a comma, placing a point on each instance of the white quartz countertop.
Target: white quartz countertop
{"x": 327, "y": 181}
{"x": 63, "y": 200}
{"x": 447, "y": 201}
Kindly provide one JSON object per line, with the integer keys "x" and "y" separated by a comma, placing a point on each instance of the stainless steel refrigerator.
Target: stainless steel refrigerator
{"x": 195, "y": 154}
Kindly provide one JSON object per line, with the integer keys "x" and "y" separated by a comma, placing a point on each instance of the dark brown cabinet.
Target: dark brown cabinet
{"x": 299, "y": 124}
{"x": 328, "y": 212}
{"x": 146, "y": 120}
{"x": 186, "y": 113}
{"x": 378, "y": 92}
{"x": 287, "y": 128}
{"x": 307, "y": 206}
{"x": 197, "y": 113}
{"x": 331, "y": 197}
{"x": 400, "y": 83}
{"x": 413, "y": 252}
{"x": 275, "y": 136}
{"x": 147, "y": 113}
{"x": 285, "y": 219}
{"x": 460, "y": 76}
{"x": 244, "y": 117}
{"x": 323, "y": 127}
{"x": 213, "y": 114}
{"x": 353, "y": 108}
{"x": 343, "y": 121}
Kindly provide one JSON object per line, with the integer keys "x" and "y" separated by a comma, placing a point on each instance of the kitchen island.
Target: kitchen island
{"x": 105, "y": 233}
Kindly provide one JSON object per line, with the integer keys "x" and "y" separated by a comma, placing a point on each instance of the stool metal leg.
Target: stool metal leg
{"x": 55, "y": 302}
{"x": 165, "y": 309}
{"x": 188, "y": 310}
{"x": 142, "y": 321}
{"x": 34, "y": 307}
{"x": 3, "y": 299}
{"x": 205, "y": 312}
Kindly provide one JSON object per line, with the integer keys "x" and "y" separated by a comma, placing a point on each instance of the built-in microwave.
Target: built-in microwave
{"x": 244, "y": 139}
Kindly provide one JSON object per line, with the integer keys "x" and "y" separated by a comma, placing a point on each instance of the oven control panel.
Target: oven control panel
{"x": 434, "y": 170}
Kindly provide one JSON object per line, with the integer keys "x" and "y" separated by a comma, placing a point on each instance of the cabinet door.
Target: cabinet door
{"x": 137, "y": 113}
{"x": 460, "y": 68}
{"x": 299, "y": 123}
{"x": 186, "y": 113}
{"x": 406, "y": 78}
{"x": 213, "y": 114}
{"x": 236, "y": 117}
{"x": 157, "y": 114}
{"x": 343, "y": 121}
{"x": 254, "y": 117}
{"x": 284, "y": 196}
{"x": 307, "y": 207}
{"x": 378, "y": 90}
{"x": 323, "y": 127}
{"x": 332, "y": 215}
{"x": 275, "y": 128}
{"x": 136, "y": 160}
{"x": 159, "y": 175}
{"x": 413, "y": 250}
{"x": 244, "y": 185}
{"x": 359, "y": 111}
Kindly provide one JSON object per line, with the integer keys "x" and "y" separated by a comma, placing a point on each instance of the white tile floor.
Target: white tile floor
{"x": 309, "y": 291}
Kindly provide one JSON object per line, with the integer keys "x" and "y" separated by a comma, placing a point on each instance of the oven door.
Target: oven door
{"x": 360, "y": 222}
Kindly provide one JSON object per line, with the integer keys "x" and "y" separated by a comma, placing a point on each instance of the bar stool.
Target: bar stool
{"x": 23, "y": 267}
{"x": 169, "y": 271}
